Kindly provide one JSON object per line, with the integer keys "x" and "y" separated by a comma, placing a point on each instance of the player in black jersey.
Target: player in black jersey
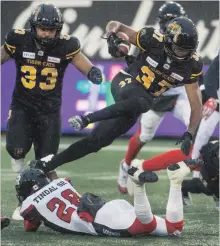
{"x": 136, "y": 89}
{"x": 41, "y": 55}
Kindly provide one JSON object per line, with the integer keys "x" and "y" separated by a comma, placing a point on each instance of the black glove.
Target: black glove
{"x": 95, "y": 76}
{"x": 113, "y": 45}
{"x": 186, "y": 141}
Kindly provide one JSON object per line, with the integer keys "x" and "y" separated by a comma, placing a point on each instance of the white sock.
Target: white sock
{"x": 17, "y": 165}
{"x": 142, "y": 205}
{"x": 174, "y": 212}
{"x": 205, "y": 131}
{"x": 196, "y": 174}
{"x": 125, "y": 166}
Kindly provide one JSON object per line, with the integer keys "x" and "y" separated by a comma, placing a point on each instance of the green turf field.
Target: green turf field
{"x": 97, "y": 173}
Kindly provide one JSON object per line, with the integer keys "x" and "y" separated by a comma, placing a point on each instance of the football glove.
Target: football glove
{"x": 186, "y": 142}
{"x": 113, "y": 42}
{"x": 209, "y": 107}
{"x": 95, "y": 76}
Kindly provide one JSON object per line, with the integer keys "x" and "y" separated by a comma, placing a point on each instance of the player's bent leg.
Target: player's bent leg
{"x": 145, "y": 132}
{"x": 103, "y": 135}
{"x": 174, "y": 212}
{"x": 18, "y": 138}
{"x": 47, "y": 137}
{"x": 145, "y": 221}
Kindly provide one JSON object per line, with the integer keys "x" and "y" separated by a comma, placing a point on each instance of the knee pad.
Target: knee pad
{"x": 16, "y": 153}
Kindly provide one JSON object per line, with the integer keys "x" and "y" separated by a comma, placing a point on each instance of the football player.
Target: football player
{"x": 208, "y": 123}
{"x": 174, "y": 100}
{"x": 63, "y": 209}
{"x": 136, "y": 90}
{"x": 41, "y": 55}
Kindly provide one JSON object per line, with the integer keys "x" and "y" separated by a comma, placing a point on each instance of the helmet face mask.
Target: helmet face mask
{"x": 46, "y": 16}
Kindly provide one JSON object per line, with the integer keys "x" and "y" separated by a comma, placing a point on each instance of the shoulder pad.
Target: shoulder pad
{"x": 12, "y": 39}
{"x": 72, "y": 45}
{"x": 149, "y": 37}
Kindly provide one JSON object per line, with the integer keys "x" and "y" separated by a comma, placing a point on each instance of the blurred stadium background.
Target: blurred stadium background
{"x": 97, "y": 173}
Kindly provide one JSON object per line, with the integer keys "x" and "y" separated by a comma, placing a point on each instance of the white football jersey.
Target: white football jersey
{"x": 56, "y": 203}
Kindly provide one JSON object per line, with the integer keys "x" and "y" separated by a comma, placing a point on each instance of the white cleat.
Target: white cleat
{"x": 17, "y": 165}
{"x": 187, "y": 200}
{"x": 122, "y": 178}
{"x": 16, "y": 215}
{"x": 138, "y": 175}
{"x": 177, "y": 172}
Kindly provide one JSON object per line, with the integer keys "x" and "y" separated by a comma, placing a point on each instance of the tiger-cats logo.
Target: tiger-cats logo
{"x": 176, "y": 30}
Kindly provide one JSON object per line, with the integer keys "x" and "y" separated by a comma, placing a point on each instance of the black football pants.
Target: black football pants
{"x": 131, "y": 101}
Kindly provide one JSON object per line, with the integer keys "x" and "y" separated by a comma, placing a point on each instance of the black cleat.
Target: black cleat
{"x": 142, "y": 177}
{"x": 38, "y": 164}
{"x": 4, "y": 222}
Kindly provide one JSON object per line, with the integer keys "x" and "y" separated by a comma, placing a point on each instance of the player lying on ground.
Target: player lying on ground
{"x": 209, "y": 184}
{"x": 61, "y": 208}
{"x": 134, "y": 97}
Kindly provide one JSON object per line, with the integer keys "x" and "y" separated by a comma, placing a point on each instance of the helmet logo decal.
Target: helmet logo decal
{"x": 35, "y": 187}
{"x": 176, "y": 30}
{"x": 36, "y": 12}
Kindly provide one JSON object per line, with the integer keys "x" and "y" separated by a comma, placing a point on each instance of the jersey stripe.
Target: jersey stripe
{"x": 137, "y": 41}
{"x": 10, "y": 48}
{"x": 70, "y": 55}
{"x": 196, "y": 74}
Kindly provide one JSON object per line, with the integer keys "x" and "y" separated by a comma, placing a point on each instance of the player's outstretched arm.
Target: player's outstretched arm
{"x": 116, "y": 26}
{"x": 195, "y": 99}
{"x": 84, "y": 65}
{"x": 4, "y": 55}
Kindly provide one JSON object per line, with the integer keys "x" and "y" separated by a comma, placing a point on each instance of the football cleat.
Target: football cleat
{"x": 16, "y": 214}
{"x": 17, "y": 165}
{"x": 78, "y": 122}
{"x": 187, "y": 199}
{"x": 216, "y": 200}
{"x": 177, "y": 172}
{"x": 42, "y": 163}
{"x": 194, "y": 163}
{"x": 138, "y": 175}
{"x": 4, "y": 222}
{"x": 122, "y": 178}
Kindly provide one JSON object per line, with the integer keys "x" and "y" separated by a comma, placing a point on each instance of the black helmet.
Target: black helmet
{"x": 168, "y": 12}
{"x": 46, "y": 16}
{"x": 181, "y": 39}
{"x": 29, "y": 181}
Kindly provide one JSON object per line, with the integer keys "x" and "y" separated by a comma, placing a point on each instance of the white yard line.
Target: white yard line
{"x": 120, "y": 147}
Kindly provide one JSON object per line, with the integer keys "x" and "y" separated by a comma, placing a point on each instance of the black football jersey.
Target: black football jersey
{"x": 39, "y": 75}
{"x": 155, "y": 71}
